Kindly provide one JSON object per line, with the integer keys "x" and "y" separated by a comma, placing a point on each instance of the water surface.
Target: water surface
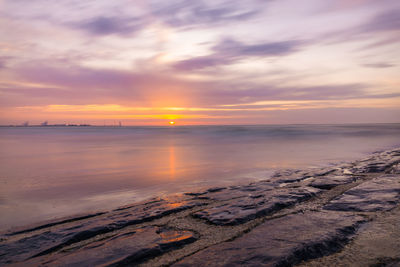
{"x": 50, "y": 172}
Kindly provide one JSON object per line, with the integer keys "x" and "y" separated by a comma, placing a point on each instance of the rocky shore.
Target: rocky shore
{"x": 344, "y": 215}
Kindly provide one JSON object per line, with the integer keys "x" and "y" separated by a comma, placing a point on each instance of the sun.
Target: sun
{"x": 171, "y": 123}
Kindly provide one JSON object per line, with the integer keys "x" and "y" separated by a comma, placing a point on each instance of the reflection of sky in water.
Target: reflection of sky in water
{"x": 52, "y": 172}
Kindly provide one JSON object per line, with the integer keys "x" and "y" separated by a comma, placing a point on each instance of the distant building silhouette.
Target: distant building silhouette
{"x": 45, "y": 123}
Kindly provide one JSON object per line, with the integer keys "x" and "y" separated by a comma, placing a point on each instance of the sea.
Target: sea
{"x": 52, "y": 172}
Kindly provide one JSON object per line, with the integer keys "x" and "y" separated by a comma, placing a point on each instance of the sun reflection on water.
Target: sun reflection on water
{"x": 172, "y": 159}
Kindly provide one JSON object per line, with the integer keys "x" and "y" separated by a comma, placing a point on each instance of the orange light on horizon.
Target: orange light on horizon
{"x": 171, "y": 123}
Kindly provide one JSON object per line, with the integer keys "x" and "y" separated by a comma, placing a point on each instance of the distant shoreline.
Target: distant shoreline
{"x": 204, "y": 125}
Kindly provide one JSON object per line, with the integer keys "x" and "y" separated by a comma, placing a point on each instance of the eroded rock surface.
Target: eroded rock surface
{"x": 395, "y": 169}
{"x": 243, "y": 209}
{"x": 62, "y": 235}
{"x": 378, "y": 163}
{"x": 282, "y": 242}
{"x": 382, "y": 193}
{"x": 328, "y": 182}
{"x": 123, "y": 249}
{"x": 233, "y": 192}
{"x": 376, "y": 244}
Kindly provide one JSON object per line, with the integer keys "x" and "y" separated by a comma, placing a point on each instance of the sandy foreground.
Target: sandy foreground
{"x": 343, "y": 215}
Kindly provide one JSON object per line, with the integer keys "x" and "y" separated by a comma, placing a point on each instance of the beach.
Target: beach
{"x": 338, "y": 215}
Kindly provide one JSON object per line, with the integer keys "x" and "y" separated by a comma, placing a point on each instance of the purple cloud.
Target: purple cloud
{"x": 84, "y": 85}
{"x": 228, "y": 51}
{"x": 111, "y": 25}
{"x": 199, "y": 63}
{"x": 274, "y": 92}
{"x": 237, "y": 49}
{"x": 176, "y": 14}
{"x": 386, "y": 21}
{"x": 190, "y": 13}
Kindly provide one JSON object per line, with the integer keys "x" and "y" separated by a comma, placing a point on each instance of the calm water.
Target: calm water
{"x": 49, "y": 172}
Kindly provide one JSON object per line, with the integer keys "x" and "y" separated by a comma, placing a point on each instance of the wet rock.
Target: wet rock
{"x": 323, "y": 172}
{"x": 347, "y": 172}
{"x": 210, "y": 190}
{"x": 243, "y": 209}
{"x": 287, "y": 173}
{"x": 126, "y": 248}
{"x": 380, "y": 162}
{"x": 382, "y": 193}
{"x": 216, "y": 189}
{"x": 375, "y": 167}
{"x": 293, "y": 176}
{"x": 395, "y": 169}
{"x": 234, "y": 192}
{"x": 54, "y": 223}
{"x": 375, "y": 244}
{"x": 55, "y": 238}
{"x": 282, "y": 242}
{"x": 329, "y": 182}
{"x": 290, "y": 176}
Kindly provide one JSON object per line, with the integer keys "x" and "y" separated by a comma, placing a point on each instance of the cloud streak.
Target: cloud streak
{"x": 381, "y": 65}
{"x": 386, "y": 21}
{"x": 111, "y": 25}
{"x": 83, "y": 85}
{"x": 202, "y": 13}
{"x": 176, "y": 14}
{"x": 228, "y": 51}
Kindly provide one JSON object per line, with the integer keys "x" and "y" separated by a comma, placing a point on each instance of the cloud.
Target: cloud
{"x": 79, "y": 85}
{"x": 4, "y": 60}
{"x": 381, "y": 65}
{"x": 274, "y": 92}
{"x": 52, "y": 84}
{"x": 174, "y": 13}
{"x": 235, "y": 48}
{"x": 192, "y": 13}
{"x": 111, "y": 25}
{"x": 199, "y": 63}
{"x": 228, "y": 51}
{"x": 382, "y": 30}
{"x": 118, "y": 93}
{"x": 386, "y": 21}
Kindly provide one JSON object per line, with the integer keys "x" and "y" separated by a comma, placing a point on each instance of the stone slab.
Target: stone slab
{"x": 241, "y": 210}
{"x": 284, "y": 241}
{"x": 395, "y": 169}
{"x": 379, "y": 194}
{"x": 122, "y": 249}
{"x": 329, "y": 182}
{"x": 378, "y": 163}
{"x": 53, "y": 238}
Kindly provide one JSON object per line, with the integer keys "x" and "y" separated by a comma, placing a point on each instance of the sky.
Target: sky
{"x": 148, "y": 62}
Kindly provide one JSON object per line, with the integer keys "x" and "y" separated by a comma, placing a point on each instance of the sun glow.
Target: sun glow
{"x": 171, "y": 123}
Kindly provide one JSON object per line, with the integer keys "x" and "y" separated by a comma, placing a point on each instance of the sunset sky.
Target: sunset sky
{"x": 148, "y": 62}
